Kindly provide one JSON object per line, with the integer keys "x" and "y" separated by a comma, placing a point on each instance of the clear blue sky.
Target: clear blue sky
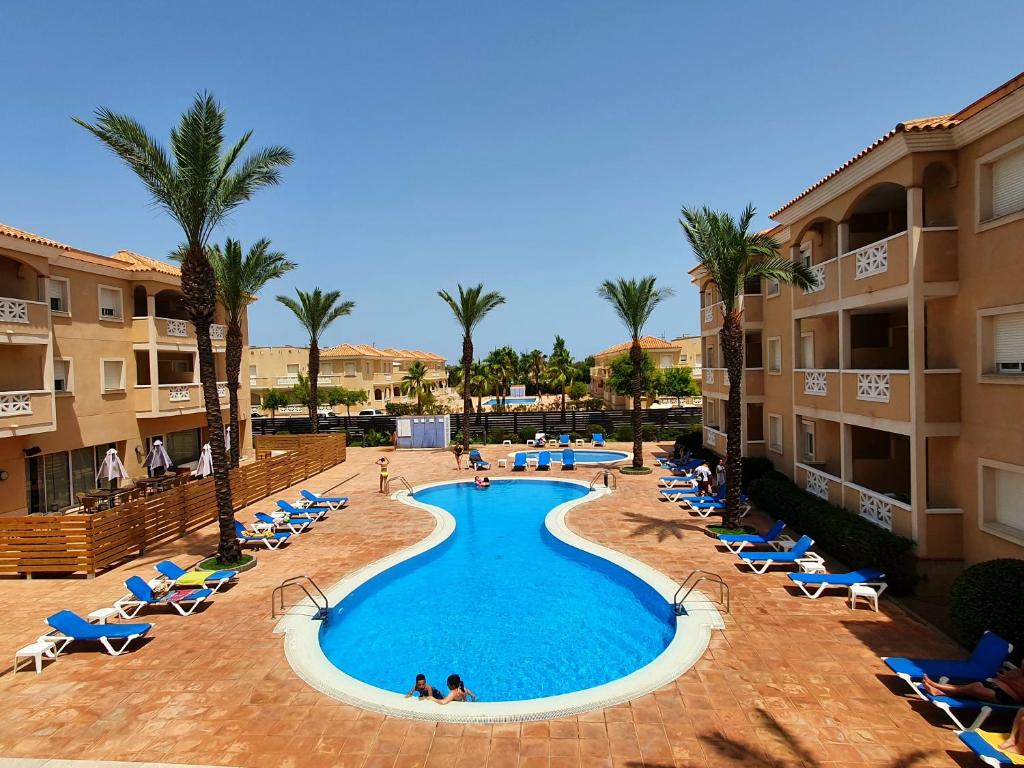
{"x": 539, "y": 147}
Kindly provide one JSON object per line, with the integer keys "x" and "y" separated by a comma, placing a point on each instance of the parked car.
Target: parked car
{"x": 371, "y": 412}
{"x": 254, "y": 414}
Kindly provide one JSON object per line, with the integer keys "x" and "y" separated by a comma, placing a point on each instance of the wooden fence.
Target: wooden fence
{"x": 88, "y": 543}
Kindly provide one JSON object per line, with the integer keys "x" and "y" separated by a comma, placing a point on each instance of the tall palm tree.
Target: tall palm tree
{"x": 239, "y": 279}
{"x": 634, "y": 301}
{"x": 316, "y": 310}
{"x": 536, "y": 364}
{"x": 731, "y": 254}
{"x": 471, "y": 306}
{"x": 197, "y": 183}
{"x": 561, "y": 371}
{"x": 414, "y": 380}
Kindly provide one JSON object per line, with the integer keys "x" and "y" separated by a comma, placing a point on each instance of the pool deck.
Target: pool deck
{"x": 789, "y": 682}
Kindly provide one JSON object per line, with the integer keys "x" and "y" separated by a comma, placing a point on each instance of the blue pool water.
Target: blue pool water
{"x": 503, "y": 603}
{"x": 583, "y": 455}
{"x": 512, "y": 401}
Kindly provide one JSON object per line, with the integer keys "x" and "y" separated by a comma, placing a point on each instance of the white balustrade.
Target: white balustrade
{"x": 815, "y": 383}
{"x": 877, "y": 509}
{"x": 218, "y": 332}
{"x": 176, "y": 327}
{"x": 709, "y": 375}
{"x": 709, "y": 313}
{"x": 871, "y": 260}
{"x": 817, "y": 483}
{"x": 12, "y": 404}
{"x": 179, "y": 394}
{"x": 13, "y": 311}
{"x": 287, "y": 381}
{"x": 874, "y": 387}
{"x": 819, "y": 279}
{"x": 222, "y": 391}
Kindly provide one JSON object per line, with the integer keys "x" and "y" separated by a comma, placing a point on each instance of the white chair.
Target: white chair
{"x": 506, "y": 442}
{"x": 36, "y": 651}
{"x": 868, "y": 592}
{"x": 530, "y": 443}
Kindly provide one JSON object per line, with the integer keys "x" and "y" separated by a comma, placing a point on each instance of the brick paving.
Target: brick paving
{"x": 790, "y": 682}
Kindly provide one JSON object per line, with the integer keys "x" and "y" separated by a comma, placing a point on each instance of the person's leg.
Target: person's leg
{"x": 969, "y": 690}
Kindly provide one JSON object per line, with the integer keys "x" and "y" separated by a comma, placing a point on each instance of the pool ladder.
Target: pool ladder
{"x": 401, "y": 479}
{"x": 297, "y": 581}
{"x": 690, "y": 583}
{"x": 606, "y": 477}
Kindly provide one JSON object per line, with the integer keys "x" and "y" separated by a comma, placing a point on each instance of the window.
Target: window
{"x": 59, "y": 293}
{"x": 350, "y": 369}
{"x": 293, "y": 369}
{"x": 1000, "y": 177}
{"x": 113, "y": 375}
{"x": 807, "y": 350}
{"x": 775, "y": 432}
{"x": 182, "y": 366}
{"x": 697, "y": 361}
{"x": 110, "y": 303}
{"x": 682, "y": 358}
{"x": 806, "y": 254}
{"x": 1002, "y": 498}
{"x": 183, "y": 447}
{"x": 666, "y": 361}
{"x": 54, "y": 481}
{"x": 1008, "y": 342}
{"x": 771, "y": 287}
{"x": 61, "y": 375}
{"x": 774, "y": 355}
{"x": 252, "y": 370}
{"x": 807, "y": 427}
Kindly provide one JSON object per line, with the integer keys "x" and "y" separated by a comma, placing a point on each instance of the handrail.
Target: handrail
{"x": 724, "y": 597}
{"x": 404, "y": 482}
{"x": 605, "y": 476}
{"x": 321, "y": 611}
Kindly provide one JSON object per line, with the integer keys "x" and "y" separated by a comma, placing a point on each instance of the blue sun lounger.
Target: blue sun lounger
{"x": 213, "y": 579}
{"x": 676, "y": 481}
{"x": 184, "y": 601}
{"x": 476, "y": 461}
{"x": 678, "y": 494}
{"x": 568, "y": 459}
{"x": 597, "y": 440}
{"x": 333, "y": 502}
{"x": 823, "y": 581}
{"x": 273, "y": 541}
{"x": 563, "y": 441}
{"x": 760, "y": 562}
{"x": 71, "y": 627}
{"x": 519, "y": 462}
{"x": 949, "y": 703}
{"x": 543, "y": 461}
{"x": 305, "y": 513}
{"x": 293, "y": 524}
{"x": 986, "y": 750}
{"x": 736, "y": 542}
{"x": 988, "y": 657}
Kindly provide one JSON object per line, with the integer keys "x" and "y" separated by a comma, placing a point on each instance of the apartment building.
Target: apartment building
{"x": 377, "y": 372}
{"x": 95, "y": 352}
{"x": 893, "y": 387}
{"x": 680, "y": 352}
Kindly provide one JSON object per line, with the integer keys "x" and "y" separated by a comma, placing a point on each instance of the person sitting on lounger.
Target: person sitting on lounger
{"x": 457, "y": 691}
{"x": 1015, "y": 743}
{"x": 539, "y": 440}
{"x": 1006, "y": 688}
{"x": 424, "y": 689}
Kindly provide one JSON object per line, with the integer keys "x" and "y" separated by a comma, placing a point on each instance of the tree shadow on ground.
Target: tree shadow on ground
{"x": 659, "y": 527}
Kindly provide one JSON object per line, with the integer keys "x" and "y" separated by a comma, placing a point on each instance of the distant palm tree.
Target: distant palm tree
{"x": 536, "y": 364}
{"x": 239, "y": 279}
{"x": 198, "y": 183}
{"x": 561, "y": 373}
{"x": 414, "y": 381}
{"x": 480, "y": 382}
{"x": 730, "y": 255}
{"x": 634, "y": 301}
{"x": 471, "y": 306}
{"x": 503, "y": 363}
{"x": 316, "y": 311}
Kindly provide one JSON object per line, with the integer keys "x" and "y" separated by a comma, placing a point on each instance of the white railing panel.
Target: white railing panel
{"x": 179, "y": 394}
{"x": 176, "y": 327}
{"x": 874, "y": 387}
{"x": 218, "y": 332}
{"x": 877, "y": 509}
{"x": 815, "y": 383}
{"x": 871, "y": 260}
{"x": 709, "y": 375}
{"x": 222, "y": 391}
{"x": 11, "y": 404}
{"x": 13, "y": 311}
{"x": 817, "y": 483}
{"x": 819, "y": 279}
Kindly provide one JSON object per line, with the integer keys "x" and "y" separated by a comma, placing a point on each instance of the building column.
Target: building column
{"x": 916, "y": 355}
{"x": 154, "y": 369}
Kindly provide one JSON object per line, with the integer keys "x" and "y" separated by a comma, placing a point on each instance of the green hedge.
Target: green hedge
{"x": 754, "y": 468}
{"x": 987, "y": 596}
{"x": 842, "y": 534}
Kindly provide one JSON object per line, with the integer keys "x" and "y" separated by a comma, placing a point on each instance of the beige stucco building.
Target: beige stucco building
{"x": 95, "y": 352}
{"x": 680, "y": 352}
{"x": 377, "y": 372}
{"x": 895, "y": 387}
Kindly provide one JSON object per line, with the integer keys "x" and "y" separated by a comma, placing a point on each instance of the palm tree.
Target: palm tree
{"x": 469, "y": 309}
{"x": 316, "y": 310}
{"x": 536, "y": 364}
{"x": 561, "y": 372}
{"x": 197, "y": 183}
{"x": 414, "y": 380}
{"x": 480, "y": 381}
{"x": 504, "y": 366}
{"x": 239, "y": 279}
{"x": 730, "y": 255}
{"x": 634, "y": 301}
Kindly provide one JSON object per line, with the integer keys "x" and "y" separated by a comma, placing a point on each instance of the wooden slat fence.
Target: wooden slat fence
{"x": 89, "y": 543}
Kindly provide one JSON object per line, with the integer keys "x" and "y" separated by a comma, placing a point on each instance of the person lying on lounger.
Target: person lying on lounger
{"x": 457, "y": 691}
{"x": 424, "y": 689}
{"x": 1005, "y": 688}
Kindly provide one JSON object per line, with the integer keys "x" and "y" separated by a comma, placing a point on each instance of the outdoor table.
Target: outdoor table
{"x": 532, "y": 461}
{"x": 107, "y": 496}
{"x": 102, "y": 615}
{"x": 153, "y": 484}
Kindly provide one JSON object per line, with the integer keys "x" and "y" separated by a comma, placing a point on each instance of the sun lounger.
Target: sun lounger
{"x": 568, "y": 459}
{"x": 476, "y": 461}
{"x": 679, "y": 467}
{"x": 269, "y": 540}
{"x": 988, "y": 657}
{"x": 949, "y": 703}
{"x": 678, "y": 494}
{"x": 305, "y": 513}
{"x": 819, "y": 582}
{"x": 311, "y": 499}
{"x": 676, "y": 481}
{"x": 760, "y": 562}
{"x": 70, "y": 627}
{"x": 985, "y": 744}
{"x": 564, "y": 441}
{"x": 270, "y": 523}
{"x": 519, "y": 462}
{"x": 708, "y": 508}
{"x": 184, "y": 601}
{"x": 179, "y": 577}
{"x": 774, "y": 538}
{"x": 597, "y": 440}
{"x": 543, "y": 461}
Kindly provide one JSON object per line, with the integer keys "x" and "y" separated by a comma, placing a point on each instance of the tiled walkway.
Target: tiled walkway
{"x": 790, "y": 682}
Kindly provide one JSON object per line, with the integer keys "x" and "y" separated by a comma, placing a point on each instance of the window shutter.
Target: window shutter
{"x": 60, "y": 375}
{"x": 1008, "y": 184}
{"x": 111, "y": 374}
{"x": 1009, "y": 338}
{"x": 1009, "y": 501}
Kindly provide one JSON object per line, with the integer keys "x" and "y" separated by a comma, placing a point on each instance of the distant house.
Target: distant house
{"x": 680, "y": 352}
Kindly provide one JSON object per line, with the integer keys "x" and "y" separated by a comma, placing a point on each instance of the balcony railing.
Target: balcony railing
{"x": 878, "y": 265}
{"x": 15, "y": 403}
{"x": 876, "y": 507}
{"x": 222, "y": 390}
{"x": 13, "y": 311}
{"x": 25, "y": 320}
{"x": 874, "y": 387}
{"x": 26, "y": 411}
{"x": 818, "y": 271}
{"x": 816, "y": 383}
{"x": 877, "y": 393}
{"x": 819, "y": 483}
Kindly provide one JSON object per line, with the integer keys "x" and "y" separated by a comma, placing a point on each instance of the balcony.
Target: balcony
{"x": 819, "y": 483}
{"x": 753, "y": 308}
{"x": 715, "y": 381}
{"x": 173, "y": 332}
{"x": 753, "y": 382}
{"x": 875, "y": 267}
{"x": 23, "y": 321}
{"x": 826, "y": 288}
{"x": 714, "y": 440}
{"x": 26, "y": 412}
{"x": 940, "y": 254}
{"x": 711, "y": 318}
{"x": 884, "y": 511}
{"x": 171, "y": 400}
{"x": 942, "y": 395}
{"x": 816, "y": 388}
{"x": 877, "y": 394}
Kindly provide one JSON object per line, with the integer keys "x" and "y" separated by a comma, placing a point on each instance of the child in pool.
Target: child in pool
{"x": 424, "y": 689}
{"x": 457, "y": 691}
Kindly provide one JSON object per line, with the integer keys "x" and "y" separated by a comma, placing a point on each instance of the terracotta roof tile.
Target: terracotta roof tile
{"x": 365, "y": 350}
{"x": 30, "y": 238}
{"x": 646, "y": 342}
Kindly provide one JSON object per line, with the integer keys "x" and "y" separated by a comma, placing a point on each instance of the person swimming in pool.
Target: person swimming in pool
{"x": 482, "y": 482}
{"x": 383, "y": 463}
{"x": 424, "y": 689}
{"x": 457, "y": 691}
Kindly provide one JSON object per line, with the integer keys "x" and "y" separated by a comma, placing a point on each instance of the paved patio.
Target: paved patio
{"x": 790, "y": 682}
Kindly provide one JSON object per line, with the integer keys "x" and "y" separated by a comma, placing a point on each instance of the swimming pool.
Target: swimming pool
{"x": 512, "y": 401}
{"x": 583, "y": 455}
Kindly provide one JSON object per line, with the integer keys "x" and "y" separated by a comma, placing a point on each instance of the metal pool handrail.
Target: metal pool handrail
{"x": 702, "y": 575}
{"x": 403, "y": 481}
{"x": 321, "y": 611}
{"x": 606, "y": 476}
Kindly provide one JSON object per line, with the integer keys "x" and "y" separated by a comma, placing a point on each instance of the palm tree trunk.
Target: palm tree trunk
{"x": 636, "y": 356}
{"x": 563, "y": 402}
{"x": 199, "y": 287}
{"x": 234, "y": 369}
{"x": 467, "y": 396}
{"x": 314, "y": 374}
{"x": 732, "y": 348}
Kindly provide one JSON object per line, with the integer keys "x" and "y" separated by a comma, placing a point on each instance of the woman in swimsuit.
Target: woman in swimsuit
{"x": 457, "y": 691}
{"x": 1005, "y": 688}
{"x": 383, "y": 462}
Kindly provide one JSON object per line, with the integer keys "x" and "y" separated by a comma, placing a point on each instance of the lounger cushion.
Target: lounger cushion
{"x": 73, "y": 625}
{"x": 754, "y": 538}
{"x": 986, "y": 744}
{"x": 863, "y": 576}
{"x": 986, "y": 660}
{"x": 310, "y": 496}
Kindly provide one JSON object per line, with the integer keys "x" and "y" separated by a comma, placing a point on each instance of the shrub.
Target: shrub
{"x": 649, "y": 432}
{"x": 691, "y": 441}
{"x": 372, "y": 439}
{"x": 987, "y": 596}
{"x": 594, "y": 429}
{"x": 577, "y": 436}
{"x": 526, "y": 433}
{"x": 399, "y": 409}
{"x": 754, "y": 468}
{"x": 498, "y": 434}
{"x": 623, "y": 434}
{"x": 844, "y": 535}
